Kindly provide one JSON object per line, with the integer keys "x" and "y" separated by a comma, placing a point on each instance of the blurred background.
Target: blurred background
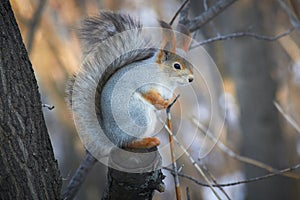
{"x": 256, "y": 76}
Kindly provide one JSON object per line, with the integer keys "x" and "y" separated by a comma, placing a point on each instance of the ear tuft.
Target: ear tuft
{"x": 168, "y": 37}
{"x": 183, "y": 40}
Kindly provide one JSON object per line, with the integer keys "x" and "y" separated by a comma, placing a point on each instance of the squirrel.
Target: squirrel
{"x": 123, "y": 79}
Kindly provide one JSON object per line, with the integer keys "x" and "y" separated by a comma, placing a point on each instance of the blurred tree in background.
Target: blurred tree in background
{"x": 254, "y": 66}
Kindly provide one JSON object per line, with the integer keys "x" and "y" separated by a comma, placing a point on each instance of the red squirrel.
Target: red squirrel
{"x": 123, "y": 79}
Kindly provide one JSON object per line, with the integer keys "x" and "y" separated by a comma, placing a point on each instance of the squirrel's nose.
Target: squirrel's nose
{"x": 191, "y": 78}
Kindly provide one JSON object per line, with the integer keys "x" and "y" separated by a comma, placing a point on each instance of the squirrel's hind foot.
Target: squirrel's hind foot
{"x": 147, "y": 142}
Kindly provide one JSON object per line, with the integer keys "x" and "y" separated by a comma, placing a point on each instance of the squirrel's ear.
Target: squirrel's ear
{"x": 183, "y": 40}
{"x": 168, "y": 37}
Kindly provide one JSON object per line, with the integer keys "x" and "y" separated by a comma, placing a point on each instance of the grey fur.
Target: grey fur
{"x": 108, "y": 110}
{"x": 98, "y": 65}
{"x": 94, "y": 31}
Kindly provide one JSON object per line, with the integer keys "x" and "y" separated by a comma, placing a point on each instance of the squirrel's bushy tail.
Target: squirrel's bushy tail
{"x": 110, "y": 42}
{"x": 95, "y": 30}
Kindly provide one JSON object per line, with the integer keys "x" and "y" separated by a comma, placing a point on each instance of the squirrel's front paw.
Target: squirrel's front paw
{"x": 162, "y": 105}
{"x": 148, "y": 143}
{"x": 153, "y": 97}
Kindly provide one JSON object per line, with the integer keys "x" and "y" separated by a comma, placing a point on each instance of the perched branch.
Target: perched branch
{"x": 244, "y": 34}
{"x": 172, "y": 151}
{"x": 133, "y": 174}
{"x": 212, "y": 12}
{"x": 232, "y": 154}
{"x": 250, "y": 180}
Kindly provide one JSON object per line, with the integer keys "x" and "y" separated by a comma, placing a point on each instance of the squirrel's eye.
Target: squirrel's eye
{"x": 177, "y": 65}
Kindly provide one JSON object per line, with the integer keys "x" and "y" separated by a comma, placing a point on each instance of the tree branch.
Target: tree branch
{"x": 232, "y": 154}
{"x": 244, "y": 34}
{"x": 133, "y": 174}
{"x": 212, "y": 12}
{"x": 250, "y": 180}
{"x": 178, "y": 11}
{"x": 205, "y": 6}
{"x": 172, "y": 151}
{"x": 215, "y": 181}
{"x": 188, "y": 195}
{"x": 292, "y": 16}
{"x": 183, "y": 17}
{"x": 79, "y": 176}
{"x": 287, "y": 117}
{"x": 194, "y": 163}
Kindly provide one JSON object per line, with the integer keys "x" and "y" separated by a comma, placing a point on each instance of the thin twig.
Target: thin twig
{"x": 184, "y": 13}
{"x": 211, "y": 176}
{"x": 293, "y": 18}
{"x": 173, "y": 157}
{"x": 178, "y": 11}
{"x": 244, "y": 34}
{"x": 212, "y": 12}
{"x": 194, "y": 163}
{"x": 250, "y": 180}
{"x": 48, "y": 106}
{"x": 287, "y": 117}
{"x": 188, "y": 195}
{"x": 79, "y": 176}
{"x": 232, "y": 154}
{"x": 205, "y": 6}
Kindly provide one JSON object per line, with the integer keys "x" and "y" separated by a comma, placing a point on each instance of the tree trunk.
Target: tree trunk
{"x": 28, "y": 169}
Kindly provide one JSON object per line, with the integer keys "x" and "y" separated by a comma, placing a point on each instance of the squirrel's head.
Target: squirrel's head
{"x": 177, "y": 68}
{"x": 172, "y": 55}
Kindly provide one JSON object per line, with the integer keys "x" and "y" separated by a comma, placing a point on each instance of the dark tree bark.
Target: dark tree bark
{"x": 133, "y": 176}
{"x": 28, "y": 169}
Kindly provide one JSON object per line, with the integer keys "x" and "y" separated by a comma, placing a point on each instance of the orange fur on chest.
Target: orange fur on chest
{"x": 153, "y": 97}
